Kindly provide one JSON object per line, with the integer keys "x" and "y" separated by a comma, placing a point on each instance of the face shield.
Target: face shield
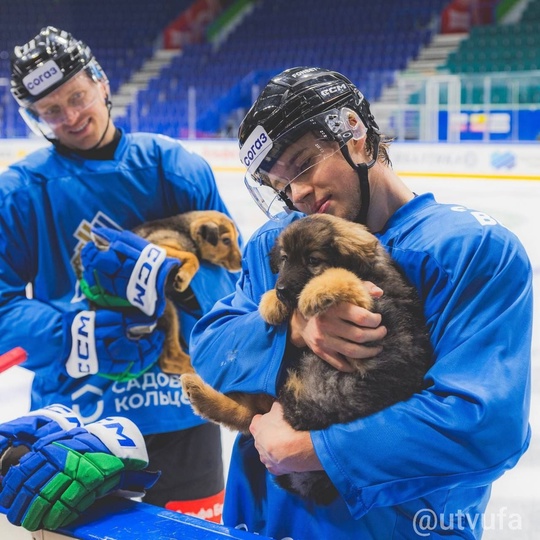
{"x": 272, "y": 165}
{"x": 82, "y": 93}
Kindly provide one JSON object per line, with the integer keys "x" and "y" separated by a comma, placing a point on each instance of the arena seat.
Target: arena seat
{"x": 370, "y": 44}
{"x": 122, "y": 35}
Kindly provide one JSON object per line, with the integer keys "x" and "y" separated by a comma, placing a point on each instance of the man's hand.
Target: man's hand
{"x": 340, "y": 334}
{"x": 64, "y": 468}
{"x": 118, "y": 345}
{"x": 122, "y": 265}
{"x": 282, "y": 449}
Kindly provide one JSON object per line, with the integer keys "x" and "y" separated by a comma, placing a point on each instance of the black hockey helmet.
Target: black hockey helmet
{"x": 46, "y": 62}
{"x": 298, "y": 101}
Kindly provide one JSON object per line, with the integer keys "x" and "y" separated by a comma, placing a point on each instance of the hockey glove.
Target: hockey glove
{"x": 122, "y": 265}
{"x": 66, "y": 469}
{"x": 118, "y": 345}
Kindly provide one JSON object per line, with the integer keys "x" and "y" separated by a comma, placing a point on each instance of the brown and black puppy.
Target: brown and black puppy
{"x": 322, "y": 261}
{"x": 190, "y": 237}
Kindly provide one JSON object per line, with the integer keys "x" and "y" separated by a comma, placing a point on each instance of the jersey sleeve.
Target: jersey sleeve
{"x": 470, "y": 424}
{"x": 35, "y": 325}
{"x": 192, "y": 179}
{"x": 233, "y": 348}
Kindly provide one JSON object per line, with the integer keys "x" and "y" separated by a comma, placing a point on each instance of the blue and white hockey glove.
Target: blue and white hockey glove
{"x": 67, "y": 468}
{"x": 117, "y": 344}
{"x": 120, "y": 264}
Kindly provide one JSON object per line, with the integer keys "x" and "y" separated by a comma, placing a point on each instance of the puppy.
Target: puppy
{"x": 190, "y": 237}
{"x": 323, "y": 261}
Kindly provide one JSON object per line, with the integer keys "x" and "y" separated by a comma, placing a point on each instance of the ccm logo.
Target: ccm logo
{"x": 84, "y": 342}
{"x": 83, "y": 358}
{"x": 141, "y": 290}
{"x": 334, "y": 90}
{"x": 142, "y": 277}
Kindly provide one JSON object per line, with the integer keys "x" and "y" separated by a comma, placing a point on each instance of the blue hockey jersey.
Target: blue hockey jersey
{"x": 48, "y": 203}
{"x": 422, "y": 467}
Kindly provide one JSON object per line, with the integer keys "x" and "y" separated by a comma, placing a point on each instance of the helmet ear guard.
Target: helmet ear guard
{"x": 354, "y": 123}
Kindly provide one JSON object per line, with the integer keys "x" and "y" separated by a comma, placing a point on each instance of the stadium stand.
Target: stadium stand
{"x": 370, "y": 46}
{"x": 492, "y": 48}
{"x": 122, "y": 34}
{"x": 496, "y": 50}
{"x": 204, "y": 89}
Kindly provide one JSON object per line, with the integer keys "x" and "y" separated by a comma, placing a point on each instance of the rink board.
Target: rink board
{"x": 114, "y": 518}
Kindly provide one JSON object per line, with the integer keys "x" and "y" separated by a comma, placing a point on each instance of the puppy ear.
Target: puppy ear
{"x": 209, "y": 232}
{"x": 354, "y": 240}
{"x": 275, "y": 258}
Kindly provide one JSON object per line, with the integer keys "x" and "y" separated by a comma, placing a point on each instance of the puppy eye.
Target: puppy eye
{"x": 226, "y": 241}
{"x": 314, "y": 261}
{"x": 284, "y": 258}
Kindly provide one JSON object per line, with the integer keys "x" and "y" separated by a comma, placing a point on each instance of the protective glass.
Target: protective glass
{"x": 297, "y": 153}
{"x": 46, "y": 120}
{"x": 78, "y": 101}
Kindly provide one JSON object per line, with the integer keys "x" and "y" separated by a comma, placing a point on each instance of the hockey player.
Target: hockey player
{"x": 95, "y": 175}
{"x": 422, "y": 467}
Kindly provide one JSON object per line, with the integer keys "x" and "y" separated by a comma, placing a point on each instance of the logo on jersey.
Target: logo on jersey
{"x": 83, "y": 234}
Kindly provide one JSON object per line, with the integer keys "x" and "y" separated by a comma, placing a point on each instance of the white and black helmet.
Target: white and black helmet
{"x": 45, "y": 63}
{"x": 297, "y": 101}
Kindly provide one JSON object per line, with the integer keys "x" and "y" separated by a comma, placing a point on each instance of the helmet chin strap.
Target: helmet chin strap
{"x": 108, "y": 104}
{"x": 363, "y": 180}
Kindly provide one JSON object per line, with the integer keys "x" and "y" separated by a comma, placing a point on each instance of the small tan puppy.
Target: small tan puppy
{"x": 190, "y": 237}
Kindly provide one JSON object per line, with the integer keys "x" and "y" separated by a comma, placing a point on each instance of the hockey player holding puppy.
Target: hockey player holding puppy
{"x": 437, "y": 452}
{"x": 95, "y": 176}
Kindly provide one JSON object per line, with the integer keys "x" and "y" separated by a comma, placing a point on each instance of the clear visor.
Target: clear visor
{"x": 45, "y": 116}
{"x": 297, "y": 153}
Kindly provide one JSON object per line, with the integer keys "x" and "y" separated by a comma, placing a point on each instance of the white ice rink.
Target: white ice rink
{"x": 513, "y": 510}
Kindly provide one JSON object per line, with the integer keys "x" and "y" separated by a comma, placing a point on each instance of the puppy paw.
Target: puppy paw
{"x": 333, "y": 286}
{"x": 193, "y": 387}
{"x": 182, "y": 279}
{"x": 272, "y": 309}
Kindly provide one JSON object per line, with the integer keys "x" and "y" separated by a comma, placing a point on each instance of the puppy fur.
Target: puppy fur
{"x": 322, "y": 261}
{"x": 189, "y": 237}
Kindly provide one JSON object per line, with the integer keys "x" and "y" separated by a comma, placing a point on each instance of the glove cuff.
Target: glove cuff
{"x": 65, "y": 417}
{"x": 82, "y": 357}
{"x": 142, "y": 289}
{"x": 123, "y": 439}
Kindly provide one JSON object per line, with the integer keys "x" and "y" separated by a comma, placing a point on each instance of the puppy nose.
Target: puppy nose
{"x": 284, "y": 294}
